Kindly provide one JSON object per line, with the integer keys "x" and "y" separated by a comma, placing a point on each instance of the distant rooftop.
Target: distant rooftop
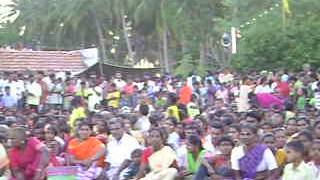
{"x": 14, "y": 60}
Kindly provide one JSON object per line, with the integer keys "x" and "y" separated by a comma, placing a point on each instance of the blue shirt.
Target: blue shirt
{"x": 9, "y": 100}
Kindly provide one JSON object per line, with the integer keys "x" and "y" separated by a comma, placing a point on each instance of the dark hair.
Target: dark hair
{"x": 267, "y": 135}
{"x": 161, "y": 131}
{"x": 173, "y": 120}
{"x": 304, "y": 119}
{"x": 306, "y": 134}
{"x": 296, "y": 146}
{"x": 116, "y": 120}
{"x": 254, "y": 115}
{"x": 53, "y": 129}
{"x": 84, "y": 123}
{"x": 195, "y": 140}
{"x": 291, "y": 119}
{"x": 136, "y": 152}
{"x": 276, "y": 130}
{"x": 144, "y": 109}
{"x": 316, "y": 124}
{"x": 235, "y": 126}
{"x": 217, "y": 126}
{"x": 225, "y": 139}
{"x": 253, "y": 129}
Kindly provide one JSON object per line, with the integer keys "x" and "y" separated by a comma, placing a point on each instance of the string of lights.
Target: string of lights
{"x": 261, "y": 15}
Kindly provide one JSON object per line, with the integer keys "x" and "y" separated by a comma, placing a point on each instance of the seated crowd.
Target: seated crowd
{"x": 222, "y": 126}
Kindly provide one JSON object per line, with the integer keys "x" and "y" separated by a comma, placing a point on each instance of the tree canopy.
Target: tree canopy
{"x": 182, "y": 35}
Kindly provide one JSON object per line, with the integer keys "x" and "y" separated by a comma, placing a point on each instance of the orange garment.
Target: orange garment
{"x": 86, "y": 149}
{"x": 185, "y": 94}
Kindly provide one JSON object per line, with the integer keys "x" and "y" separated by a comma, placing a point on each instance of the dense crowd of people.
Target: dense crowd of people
{"x": 223, "y": 126}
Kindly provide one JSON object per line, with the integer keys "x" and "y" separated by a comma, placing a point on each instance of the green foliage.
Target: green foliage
{"x": 186, "y": 66}
{"x": 194, "y": 30}
{"x": 269, "y": 45}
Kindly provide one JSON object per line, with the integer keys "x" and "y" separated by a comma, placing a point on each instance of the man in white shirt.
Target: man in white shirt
{"x": 119, "y": 148}
{"x": 34, "y": 92}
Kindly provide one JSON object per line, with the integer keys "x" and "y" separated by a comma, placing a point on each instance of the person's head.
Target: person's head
{"x": 50, "y": 131}
{"x": 17, "y": 137}
{"x": 315, "y": 151}
{"x": 32, "y": 78}
{"x": 4, "y": 129}
{"x": 225, "y": 145}
{"x": 157, "y": 137}
{"x": 269, "y": 140}
{"x": 116, "y": 128}
{"x": 83, "y": 84}
{"x": 253, "y": 119}
{"x": 316, "y": 129}
{"x": 7, "y": 90}
{"x": 191, "y": 129}
{"x": 216, "y": 132}
{"x": 112, "y": 87}
{"x": 303, "y": 123}
{"x": 170, "y": 124}
{"x": 280, "y": 136}
{"x": 233, "y": 131}
{"x": 101, "y": 126}
{"x": 305, "y": 137}
{"x": 38, "y": 130}
{"x": 294, "y": 151}
{"x": 291, "y": 126}
{"x": 277, "y": 119}
{"x": 248, "y": 134}
{"x": 84, "y": 130}
{"x": 144, "y": 109}
{"x": 194, "y": 144}
{"x": 136, "y": 156}
{"x": 266, "y": 127}
{"x": 172, "y": 99}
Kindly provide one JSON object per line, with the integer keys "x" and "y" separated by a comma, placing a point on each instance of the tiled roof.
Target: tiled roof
{"x": 12, "y": 60}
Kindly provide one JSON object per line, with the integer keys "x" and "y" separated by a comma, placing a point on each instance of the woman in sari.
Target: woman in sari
{"x": 162, "y": 159}
{"x": 253, "y": 160}
{"x": 87, "y": 153}
{"x": 28, "y": 156}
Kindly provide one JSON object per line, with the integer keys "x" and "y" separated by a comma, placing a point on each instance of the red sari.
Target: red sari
{"x": 26, "y": 160}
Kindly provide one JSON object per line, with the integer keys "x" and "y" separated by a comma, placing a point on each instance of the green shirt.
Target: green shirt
{"x": 193, "y": 164}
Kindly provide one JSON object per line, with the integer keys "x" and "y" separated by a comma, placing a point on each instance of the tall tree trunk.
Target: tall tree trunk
{"x": 103, "y": 54}
{"x": 126, "y": 36}
{"x": 165, "y": 47}
{"x": 160, "y": 54}
{"x": 202, "y": 54}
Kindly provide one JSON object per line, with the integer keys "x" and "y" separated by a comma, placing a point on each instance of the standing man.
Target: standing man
{"x": 34, "y": 93}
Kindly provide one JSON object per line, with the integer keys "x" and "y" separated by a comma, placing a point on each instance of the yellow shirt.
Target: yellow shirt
{"x": 113, "y": 99}
{"x": 280, "y": 157}
{"x": 173, "y": 111}
{"x": 76, "y": 114}
{"x": 83, "y": 93}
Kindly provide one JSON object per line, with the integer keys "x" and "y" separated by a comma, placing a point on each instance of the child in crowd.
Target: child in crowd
{"x": 130, "y": 168}
{"x": 297, "y": 169}
{"x": 315, "y": 155}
